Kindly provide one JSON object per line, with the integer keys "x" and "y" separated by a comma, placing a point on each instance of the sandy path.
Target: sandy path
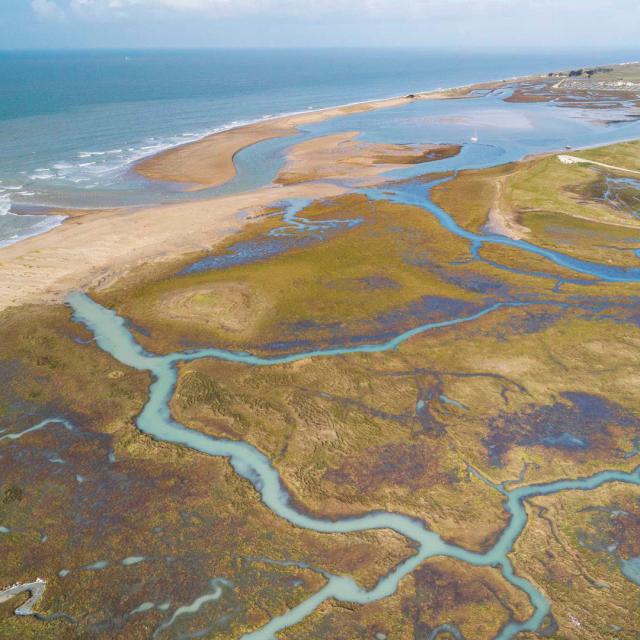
{"x": 93, "y": 250}
{"x": 565, "y": 159}
{"x": 499, "y": 221}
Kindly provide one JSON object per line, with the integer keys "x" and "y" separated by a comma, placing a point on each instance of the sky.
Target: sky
{"x": 592, "y": 25}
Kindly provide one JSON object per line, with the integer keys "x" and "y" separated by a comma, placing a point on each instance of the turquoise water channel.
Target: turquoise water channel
{"x": 112, "y": 335}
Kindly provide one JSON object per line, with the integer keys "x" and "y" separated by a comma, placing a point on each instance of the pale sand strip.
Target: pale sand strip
{"x": 209, "y": 162}
{"x": 565, "y": 159}
{"x": 92, "y": 251}
{"x": 500, "y": 221}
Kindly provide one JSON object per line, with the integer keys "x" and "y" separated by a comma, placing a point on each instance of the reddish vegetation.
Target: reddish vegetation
{"x": 520, "y": 95}
{"x": 627, "y": 533}
{"x": 414, "y": 466}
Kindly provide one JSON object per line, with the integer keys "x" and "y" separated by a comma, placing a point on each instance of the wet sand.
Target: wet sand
{"x": 343, "y": 157}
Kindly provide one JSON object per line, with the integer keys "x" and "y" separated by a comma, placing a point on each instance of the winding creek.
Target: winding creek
{"x": 418, "y": 195}
{"x": 112, "y": 336}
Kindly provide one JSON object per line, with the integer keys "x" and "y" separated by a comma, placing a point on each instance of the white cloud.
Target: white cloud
{"x": 275, "y": 7}
{"x": 493, "y": 24}
{"x": 47, "y": 10}
{"x": 278, "y": 6}
{"x": 407, "y": 10}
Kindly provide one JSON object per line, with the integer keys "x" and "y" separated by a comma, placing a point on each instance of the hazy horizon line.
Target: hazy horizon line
{"x": 456, "y": 49}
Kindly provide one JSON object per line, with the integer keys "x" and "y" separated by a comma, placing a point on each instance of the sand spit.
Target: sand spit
{"x": 209, "y": 162}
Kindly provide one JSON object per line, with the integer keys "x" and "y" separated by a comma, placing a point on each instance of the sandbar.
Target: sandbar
{"x": 341, "y": 156}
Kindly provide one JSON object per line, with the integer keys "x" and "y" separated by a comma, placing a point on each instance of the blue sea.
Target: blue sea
{"x": 72, "y": 124}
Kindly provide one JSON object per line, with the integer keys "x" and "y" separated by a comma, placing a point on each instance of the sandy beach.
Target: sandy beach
{"x": 93, "y": 250}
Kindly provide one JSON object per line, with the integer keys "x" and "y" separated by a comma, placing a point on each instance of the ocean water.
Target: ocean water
{"x": 72, "y": 124}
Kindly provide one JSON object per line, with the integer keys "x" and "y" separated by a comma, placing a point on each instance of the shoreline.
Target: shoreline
{"x": 159, "y": 166}
{"x": 153, "y": 163}
{"x": 162, "y": 174}
{"x": 286, "y": 122}
{"x": 91, "y": 251}
{"x": 224, "y": 168}
{"x": 209, "y": 162}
